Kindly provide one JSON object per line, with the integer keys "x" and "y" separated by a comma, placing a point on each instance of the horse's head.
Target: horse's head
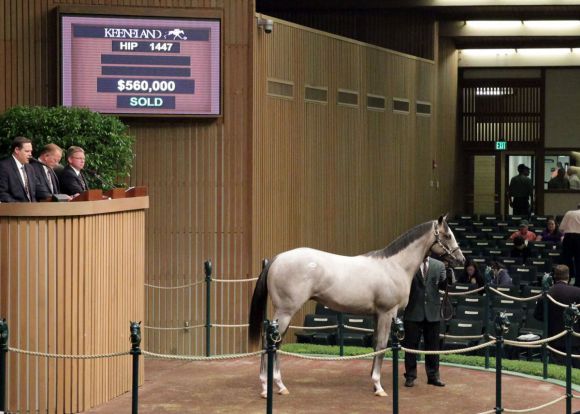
{"x": 445, "y": 244}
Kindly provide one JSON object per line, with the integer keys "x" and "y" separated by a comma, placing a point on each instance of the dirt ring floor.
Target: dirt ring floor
{"x": 232, "y": 386}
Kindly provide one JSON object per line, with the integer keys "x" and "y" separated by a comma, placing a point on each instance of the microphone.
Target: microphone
{"x": 104, "y": 183}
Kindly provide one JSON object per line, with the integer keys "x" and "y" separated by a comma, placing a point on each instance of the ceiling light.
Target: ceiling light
{"x": 488, "y": 52}
{"x": 544, "y": 51}
{"x": 493, "y": 24}
{"x": 552, "y": 24}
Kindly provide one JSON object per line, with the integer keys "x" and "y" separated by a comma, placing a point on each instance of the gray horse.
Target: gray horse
{"x": 376, "y": 283}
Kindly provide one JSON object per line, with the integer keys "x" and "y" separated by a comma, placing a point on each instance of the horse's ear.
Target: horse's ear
{"x": 442, "y": 218}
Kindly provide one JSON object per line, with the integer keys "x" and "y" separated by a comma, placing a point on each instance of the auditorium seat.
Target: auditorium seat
{"x": 469, "y": 313}
{"x": 527, "y": 275}
{"x": 458, "y": 327}
{"x": 324, "y": 310}
{"x": 323, "y": 336}
{"x": 358, "y": 338}
{"x": 472, "y": 301}
{"x": 542, "y": 265}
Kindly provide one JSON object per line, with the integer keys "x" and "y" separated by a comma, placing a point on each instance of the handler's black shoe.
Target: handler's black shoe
{"x": 409, "y": 382}
{"x": 436, "y": 381}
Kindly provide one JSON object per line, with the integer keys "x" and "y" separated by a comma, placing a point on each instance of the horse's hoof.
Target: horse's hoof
{"x": 380, "y": 393}
{"x": 264, "y": 394}
{"x": 284, "y": 391}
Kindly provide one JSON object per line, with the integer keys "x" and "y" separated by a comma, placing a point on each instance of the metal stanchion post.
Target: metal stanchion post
{"x": 397, "y": 335}
{"x": 547, "y": 281}
{"x": 341, "y": 333}
{"x": 3, "y": 351}
{"x": 486, "y": 323}
{"x": 571, "y": 314}
{"x": 207, "y": 269}
{"x": 272, "y": 338}
{"x": 501, "y": 327}
{"x": 135, "y": 351}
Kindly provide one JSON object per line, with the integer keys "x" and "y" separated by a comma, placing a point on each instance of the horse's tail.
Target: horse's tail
{"x": 258, "y": 308}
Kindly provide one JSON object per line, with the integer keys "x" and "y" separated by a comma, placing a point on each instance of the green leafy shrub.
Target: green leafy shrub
{"x": 108, "y": 146}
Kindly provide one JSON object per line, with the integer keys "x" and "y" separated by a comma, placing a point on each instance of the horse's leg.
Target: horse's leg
{"x": 382, "y": 337}
{"x": 283, "y": 322}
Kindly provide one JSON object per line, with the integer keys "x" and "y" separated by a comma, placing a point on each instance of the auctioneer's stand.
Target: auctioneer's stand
{"x": 71, "y": 280}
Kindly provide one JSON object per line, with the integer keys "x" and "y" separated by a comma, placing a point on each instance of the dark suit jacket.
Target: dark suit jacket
{"x": 424, "y": 302}
{"x": 43, "y": 189}
{"x": 70, "y": 183}
{"x": 563, "y": 293}
{"x": 11, "y": 185}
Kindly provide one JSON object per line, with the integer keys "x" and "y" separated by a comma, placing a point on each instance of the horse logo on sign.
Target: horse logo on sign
{"x": 177, "y": 34}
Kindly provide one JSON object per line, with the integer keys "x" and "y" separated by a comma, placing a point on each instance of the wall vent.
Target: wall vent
{"x": 376, "y": 102}
{"x": 281, "y": 88}
{"x": 401, "y": 105}
{"x": 423, "y": 108}
{"x": 347, "y": 98}
{"x": 315, "y": 94}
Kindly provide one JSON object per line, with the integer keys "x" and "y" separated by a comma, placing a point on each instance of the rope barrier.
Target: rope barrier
{"x": 467, "y": 292}
{"x": 449, "y": 351}
{"x": 234, "y": 280}
{"x": 340, "y": 358}
{"x": 499, "y": 292}
{"x": 538, "y": 342}
{"x": 173, "y": 287}
{"x": 556, "y": 351}
{"x": 355, "y": 328}
{"x": 65, "y": 356}
{"x": 161, "y": 328}
{"x": 218, "y": 325}
{"x": 200, "y": 358}
{"x": 576, "y": 334}
{"x": 563, "y": 305}
{"x": 306, "y": 328}
{"x": 539, "y": 407}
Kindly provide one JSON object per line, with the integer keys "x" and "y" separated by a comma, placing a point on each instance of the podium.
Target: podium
{"x": 71, "y": 279}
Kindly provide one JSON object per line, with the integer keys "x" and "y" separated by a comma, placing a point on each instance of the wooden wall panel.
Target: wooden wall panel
{"x": 68, "y": 287}
{"x": 340, "y": 178}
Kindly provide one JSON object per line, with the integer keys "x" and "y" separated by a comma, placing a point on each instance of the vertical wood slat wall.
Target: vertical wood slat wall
{"x": 196, "y": 170}
{"x": 341, "y": 178}
{"x": 67, "y": 286}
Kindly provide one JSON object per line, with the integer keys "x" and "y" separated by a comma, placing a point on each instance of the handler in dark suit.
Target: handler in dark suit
{"x": 421, "y": 317}
{"x": 566, "y": 294}
{"x": 49, "y": 157}
{"x": 72, "y": 181}
{"x": 18, "y": 182}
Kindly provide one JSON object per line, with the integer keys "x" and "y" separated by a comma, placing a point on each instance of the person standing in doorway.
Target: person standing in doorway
{"x": 521, "y": 191}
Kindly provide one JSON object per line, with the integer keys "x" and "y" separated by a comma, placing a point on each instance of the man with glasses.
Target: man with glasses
{"x": 72, "y": 181}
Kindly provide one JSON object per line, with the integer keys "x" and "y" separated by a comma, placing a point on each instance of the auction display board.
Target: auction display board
{"x": 141, "y": 66}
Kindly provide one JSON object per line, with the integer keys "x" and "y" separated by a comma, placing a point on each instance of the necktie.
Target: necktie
{"x": 49, "y": 179}
{"x": 83, "y": 182}
{"x": 26, "y": 188}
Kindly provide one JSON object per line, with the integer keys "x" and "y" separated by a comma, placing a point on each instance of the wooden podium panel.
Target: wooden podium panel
{"x": 71, "y": 279}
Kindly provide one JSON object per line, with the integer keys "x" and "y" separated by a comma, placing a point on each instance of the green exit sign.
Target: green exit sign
{"x": 501, "y": 145}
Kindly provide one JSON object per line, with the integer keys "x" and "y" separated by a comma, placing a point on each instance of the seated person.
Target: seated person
{"x": 551, "y": 233}
{"x": 520, "y": 249}
{"x": 500, "y": 275}
{"x": 559, "y": 182}
{"x": 72, "y": 181}
{"x": 471, "y": 274}
{"x": 524, "y": 232}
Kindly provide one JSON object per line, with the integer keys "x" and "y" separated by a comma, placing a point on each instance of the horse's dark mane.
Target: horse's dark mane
{"x": 402, "y": 241}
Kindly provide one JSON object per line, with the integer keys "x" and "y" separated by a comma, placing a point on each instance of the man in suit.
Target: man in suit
{"x": 49, "y": 158}
{"x": 18, "y": 181}
{"x": 71, "y": 178}
{"x": 566, "y": 294}
{"x": 421, "y": 317}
